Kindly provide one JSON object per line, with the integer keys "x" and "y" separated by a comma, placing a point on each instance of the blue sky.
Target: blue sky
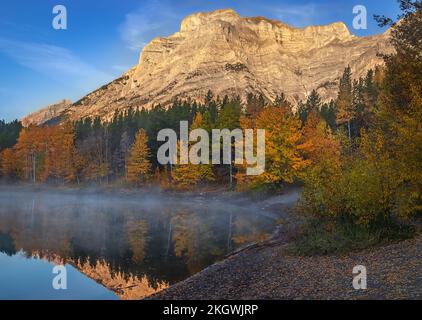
{"x": 40, "y": 65}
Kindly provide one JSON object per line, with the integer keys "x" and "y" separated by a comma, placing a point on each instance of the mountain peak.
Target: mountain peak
{"x": 336, "y": 29}
{"x": 192, "y": 22}
{"x": 196, "y": 20}
{"x": 340, "y": 27}
{"x": 231, "y": 55}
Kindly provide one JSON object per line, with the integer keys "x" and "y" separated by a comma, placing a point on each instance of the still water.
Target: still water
{"x": 115, "y": 247}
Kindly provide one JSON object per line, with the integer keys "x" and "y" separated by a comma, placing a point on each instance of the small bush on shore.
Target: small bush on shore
{"x": 363, "y": 202}
{"x": 335, "y": 237}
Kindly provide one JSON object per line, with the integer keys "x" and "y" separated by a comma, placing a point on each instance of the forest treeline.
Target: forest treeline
{"x": 359, "y": 156}
{"x": 124, "y": 149}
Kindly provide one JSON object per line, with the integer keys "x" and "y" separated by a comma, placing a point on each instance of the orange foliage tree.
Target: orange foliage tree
{"x": 9, "y": 168}
{"x": 47, "y": 153}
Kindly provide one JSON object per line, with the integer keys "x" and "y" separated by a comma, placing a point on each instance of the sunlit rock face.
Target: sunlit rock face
{"x": 42, "y": 116}
{"x": 232, "y": 55}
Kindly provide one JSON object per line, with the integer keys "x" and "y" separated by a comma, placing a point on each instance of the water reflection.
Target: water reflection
{"x": 133, "y": 247}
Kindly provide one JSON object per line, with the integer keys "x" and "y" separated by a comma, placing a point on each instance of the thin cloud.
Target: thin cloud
{"x": 54, "y": 61}
{"x": 140, "y": 26}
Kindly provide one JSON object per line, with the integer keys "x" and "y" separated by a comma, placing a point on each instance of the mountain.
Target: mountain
{"x": 228, "y": 54}
{"x": 46, "y": 114}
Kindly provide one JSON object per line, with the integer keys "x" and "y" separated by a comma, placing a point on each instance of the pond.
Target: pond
{"x": 116, "y": 246}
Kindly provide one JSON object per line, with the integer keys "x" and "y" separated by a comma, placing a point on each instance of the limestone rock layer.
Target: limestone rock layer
{"x": 232, "y": 55}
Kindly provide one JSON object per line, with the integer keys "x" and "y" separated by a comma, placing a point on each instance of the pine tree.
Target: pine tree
{"x": 229, "y": 118}
{"x": 122, "y": 153}
{"x": 254, "y": 104}
{"x": 9, "y": 133}
{"x": 313, "y": 103}
{"x": 282, "y": 102}
{"x": 345, "y": 112}
{"x": 328, "y": 113}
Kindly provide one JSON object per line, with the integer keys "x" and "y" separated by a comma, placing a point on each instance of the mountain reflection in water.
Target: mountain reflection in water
{"x": 132, "y": 245}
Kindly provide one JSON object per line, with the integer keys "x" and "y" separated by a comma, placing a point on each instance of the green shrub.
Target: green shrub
{"x": 334, "y": 237}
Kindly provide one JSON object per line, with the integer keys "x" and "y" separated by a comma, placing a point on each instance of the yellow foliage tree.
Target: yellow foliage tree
{"x": 138, "y": 163}
{"x": 283, "y": 159}
{"x": 189, "y": 175}
{"x": 137, "y": 231}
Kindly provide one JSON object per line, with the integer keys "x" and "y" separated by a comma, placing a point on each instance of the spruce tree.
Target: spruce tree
{"x": 345, "y": 113}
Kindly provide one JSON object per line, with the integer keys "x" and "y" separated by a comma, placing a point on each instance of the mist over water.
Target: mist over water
{"x": 131, "y": 244}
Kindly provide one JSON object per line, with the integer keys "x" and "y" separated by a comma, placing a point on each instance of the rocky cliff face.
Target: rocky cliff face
{"x": 229, "y": 54}
{"x": 46, "y": 114}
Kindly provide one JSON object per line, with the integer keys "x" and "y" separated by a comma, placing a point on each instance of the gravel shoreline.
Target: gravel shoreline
{"x": 268, "y": 271}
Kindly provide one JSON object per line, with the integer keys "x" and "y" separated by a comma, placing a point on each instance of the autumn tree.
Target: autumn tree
{"x": 137, "y": 233}
{"x": 30, "y": 150}
{"x": 319, "y": 142}
{"x": 138, "y": 163}
{"x": 399, "y": 115}
{"x": 380, "y": 183}
{"x": 8, "y": 164}
{"x": 283, "y": 160}
{"x": 190, "y": 175}
{"x": 59, "y": 152}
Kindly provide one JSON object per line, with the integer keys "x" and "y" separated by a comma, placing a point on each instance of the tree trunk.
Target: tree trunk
{"x": 350, "y": 132}
{"x": 34, "y": 177}
{"x": 229, "y": 238}
{"x": 169, "y": 238}
{"x": 231, "y": 176}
